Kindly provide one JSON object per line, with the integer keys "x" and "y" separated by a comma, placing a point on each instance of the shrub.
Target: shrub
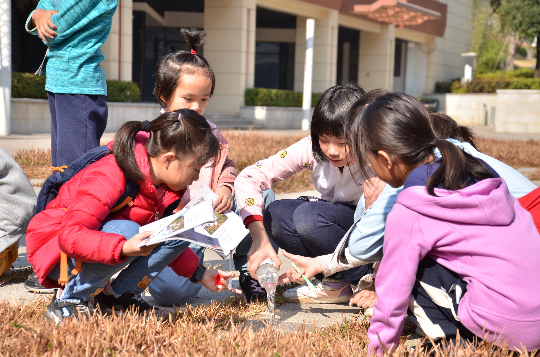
{"x": 28, "y": 85}
{"x": 522, "y": 51}
{"x": 525, "y": 83}
{"x": 276, "y": 97}
{"x": 443, "y": 87}
{"x": 490, "y": 85}
{"x": 510, "y": 74}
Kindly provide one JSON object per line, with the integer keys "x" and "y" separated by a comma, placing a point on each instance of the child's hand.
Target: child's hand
{"x": 224, "y": 200}
{"x": 363, "y": 298}
{"x": 307, "y": 266}
{"x": 209, "y": 281}
{"x": 131, "y": 247}
{"x": 372, "y": 189}
{"x": 43, "y": 23}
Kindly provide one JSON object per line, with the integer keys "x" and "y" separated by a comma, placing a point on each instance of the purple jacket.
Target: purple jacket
{"x": 483, "y": 234}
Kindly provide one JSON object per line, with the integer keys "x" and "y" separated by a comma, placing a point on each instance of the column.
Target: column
{"x": 5, "y": 67}
{"x": 409, "y": 68}
{"x": 230, "y": 50}
{"x": 308, "y": 74}
{"x": 376, "y": 65}
{"x": 118, "y": 48}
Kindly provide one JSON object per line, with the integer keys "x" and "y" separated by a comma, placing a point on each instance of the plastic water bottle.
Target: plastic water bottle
{"x": 267, "y": 275}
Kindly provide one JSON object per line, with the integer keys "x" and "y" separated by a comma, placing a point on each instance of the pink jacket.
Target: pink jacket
{"x": 333, "y": 185}
{"x": 484, "y": 235}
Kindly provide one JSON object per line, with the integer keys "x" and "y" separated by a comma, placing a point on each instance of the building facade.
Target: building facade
{"x": 404, "y": 45}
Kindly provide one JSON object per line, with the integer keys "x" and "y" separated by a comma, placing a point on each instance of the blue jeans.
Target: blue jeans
{"x": 138, "y": 272}
{"x": 170, "y": 289}
{"x": 311, "y": 229}
{"x": 77, "y": 124}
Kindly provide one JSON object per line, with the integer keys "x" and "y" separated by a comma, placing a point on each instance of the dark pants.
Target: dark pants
{"x": 311, "y": 229}
{"x": 77, "y": 124}
{"x": 435, "y": 299}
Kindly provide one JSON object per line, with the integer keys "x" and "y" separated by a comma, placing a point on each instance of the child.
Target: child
{"x": 186, "y": 80}
{"x": 311, "y": 227}
{"x": 74, "y": 32}
{"x": 460, "y": 253}
{"x": 163, "y": 156}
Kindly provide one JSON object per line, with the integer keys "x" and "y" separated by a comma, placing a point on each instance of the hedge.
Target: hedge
{"x": 276, "y": 97}
{"x": 480, "y": 85}
{"x": 28, "y": 85}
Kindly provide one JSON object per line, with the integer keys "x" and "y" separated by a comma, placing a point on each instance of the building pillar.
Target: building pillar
{"x": 5, "y": 67}
{"x": 376, "y": 64}
{"x": 308, "y": 74}
{"x": 230, "y": 50}
{"x": 118, "y": 48}
{"x": 409, "y": 68}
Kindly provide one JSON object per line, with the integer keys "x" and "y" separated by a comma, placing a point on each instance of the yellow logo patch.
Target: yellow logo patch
{"x": 283, "y": 154}
{"x": 250, "y": 202}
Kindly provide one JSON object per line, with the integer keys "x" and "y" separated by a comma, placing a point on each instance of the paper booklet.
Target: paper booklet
{"x": 200, "y": 224}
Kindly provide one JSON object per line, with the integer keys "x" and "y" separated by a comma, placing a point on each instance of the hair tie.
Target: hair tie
{"x": 435, "y": 141}
{"x": 146, "y": 126}
{"x": 193, "y": 52}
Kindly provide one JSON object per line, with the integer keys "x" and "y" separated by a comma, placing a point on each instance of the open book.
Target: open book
{"x": 200, "y": 224}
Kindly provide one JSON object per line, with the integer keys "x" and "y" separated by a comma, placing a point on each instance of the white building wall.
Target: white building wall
{"x": 445, "y": 61}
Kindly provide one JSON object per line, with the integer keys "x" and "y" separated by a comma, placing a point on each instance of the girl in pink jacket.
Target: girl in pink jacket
{"x": 460, "y": 252}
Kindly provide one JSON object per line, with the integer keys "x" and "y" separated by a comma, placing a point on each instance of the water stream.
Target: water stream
{"x": 271, "y": 297}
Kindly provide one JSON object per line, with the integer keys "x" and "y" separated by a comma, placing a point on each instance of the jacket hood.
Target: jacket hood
{"x": 487, "y": 202}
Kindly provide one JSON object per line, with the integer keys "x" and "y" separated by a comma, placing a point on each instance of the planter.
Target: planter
{"x": 274, "y": 117}
{"x": 32, "y": 116}
{"x": 518, "y": 111}
{"x": 471, "y": 109}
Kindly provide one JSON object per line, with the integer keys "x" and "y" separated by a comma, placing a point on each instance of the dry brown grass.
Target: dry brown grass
{"x": 247, "y": 147}
{"x": 24, "y": 332}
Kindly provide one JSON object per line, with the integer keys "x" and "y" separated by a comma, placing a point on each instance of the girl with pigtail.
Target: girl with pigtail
{"x": 185, "y": 80}
{"x": 164, "y": 157}
{"x": 460, "y": 252}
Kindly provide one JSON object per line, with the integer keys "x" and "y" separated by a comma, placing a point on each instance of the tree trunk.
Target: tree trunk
{"x": 537, "y": 68}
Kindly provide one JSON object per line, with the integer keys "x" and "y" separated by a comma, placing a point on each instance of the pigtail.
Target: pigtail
{"x": 194, "y": 37}
{"x": 447, "y": 128}
{"x": 124, "y": 150}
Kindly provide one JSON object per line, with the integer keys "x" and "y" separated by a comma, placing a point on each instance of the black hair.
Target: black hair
{"x": 330, "y": 115}
{"x": 176, "y": 64}
{"x": 400, "y": 125}
{"x": 184, "y": 132}
{"x": 447, "y": 128}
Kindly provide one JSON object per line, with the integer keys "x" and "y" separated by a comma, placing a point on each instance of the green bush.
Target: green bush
{"x": 28, "y": 85}
{"x": 443, "y": 87}
{"x": 522, "y": 51}
{"x": 490, "y": 85}
{"x": 276, "y": 97}
{"x": 525, "y": 83}
{"x": 510, "y": 74}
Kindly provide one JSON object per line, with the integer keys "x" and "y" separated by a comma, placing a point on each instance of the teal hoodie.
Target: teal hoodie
{"x": 72, "y": 63}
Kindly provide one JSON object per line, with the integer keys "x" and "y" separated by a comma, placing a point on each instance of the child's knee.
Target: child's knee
{"x": 123, "y": 227}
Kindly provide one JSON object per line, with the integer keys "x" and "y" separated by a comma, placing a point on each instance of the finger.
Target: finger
{"x": 283, "y": 279}
{"x": 40, "y": 35}
{"x": 221, "y": 206}
{"x": 226, "y": 274}
{"x": 52, "y": 25}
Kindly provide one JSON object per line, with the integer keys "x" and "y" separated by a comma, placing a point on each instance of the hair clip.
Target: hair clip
{"x": 193, "y": 52}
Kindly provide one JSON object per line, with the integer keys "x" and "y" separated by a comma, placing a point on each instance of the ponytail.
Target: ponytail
{"x": 399, "y": 125}
{"x": 447, "y": 128}
{"x": 184, "y": 132}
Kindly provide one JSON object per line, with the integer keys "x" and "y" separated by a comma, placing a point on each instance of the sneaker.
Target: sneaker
{"x": 251, "y": 288}
{"x": 60, "y": 310}
{"x": 328, "y": 292}
{"x": 124, "y": 302}
{"x": 32, "y": 284}
{"x": 368, "y": 312}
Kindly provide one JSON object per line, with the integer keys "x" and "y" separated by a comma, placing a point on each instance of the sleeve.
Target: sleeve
{"x": 74, "y": 15}
{"x": 365, "y": 237}
{"x": 228, "y": 174}
{"x": 90, "y": 205}
{"x": 185, "y": 264}
{"x": 17, "y": 201}
{"x": 404, "y": 248}
{"x": 254, "y": 179}
{"x": 43, "y": 5}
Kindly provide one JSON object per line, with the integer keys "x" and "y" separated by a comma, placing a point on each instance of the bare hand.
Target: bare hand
{"x": 261, "y": 248}
{"x": 131, "y": 247}
{"x": 224, "y": 200}
{"x": 43, "y": 23}
{"x": 363, "y": 298}
{"x": 209, "y": 281}
{"x": 308, "y": 267}
{"x": 372, "y": 189}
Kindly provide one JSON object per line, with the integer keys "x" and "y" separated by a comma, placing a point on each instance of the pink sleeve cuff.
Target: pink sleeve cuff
{"x": 253, "y": 218}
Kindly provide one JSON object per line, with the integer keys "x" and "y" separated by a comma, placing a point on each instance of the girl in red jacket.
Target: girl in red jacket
{"x": 163, "y": 156}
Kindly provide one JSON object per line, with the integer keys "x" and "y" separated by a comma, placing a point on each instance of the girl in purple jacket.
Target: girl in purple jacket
{"x": 460, "y": 253}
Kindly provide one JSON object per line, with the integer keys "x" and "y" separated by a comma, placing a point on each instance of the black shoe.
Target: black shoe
{"x": 124, "y": 302}
{"x": 60, "y": 310}
{"x": 251, "y": 288}
{"x": 32, "y": 284}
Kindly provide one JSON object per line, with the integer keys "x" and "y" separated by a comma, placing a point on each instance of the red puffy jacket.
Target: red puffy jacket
{"x": 71, "y": 221}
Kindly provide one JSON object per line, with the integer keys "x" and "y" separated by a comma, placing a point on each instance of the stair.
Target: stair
{"x": 231, "y": 121}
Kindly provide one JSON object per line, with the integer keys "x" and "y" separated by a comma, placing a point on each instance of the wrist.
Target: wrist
{"x": 198, "y": 274}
